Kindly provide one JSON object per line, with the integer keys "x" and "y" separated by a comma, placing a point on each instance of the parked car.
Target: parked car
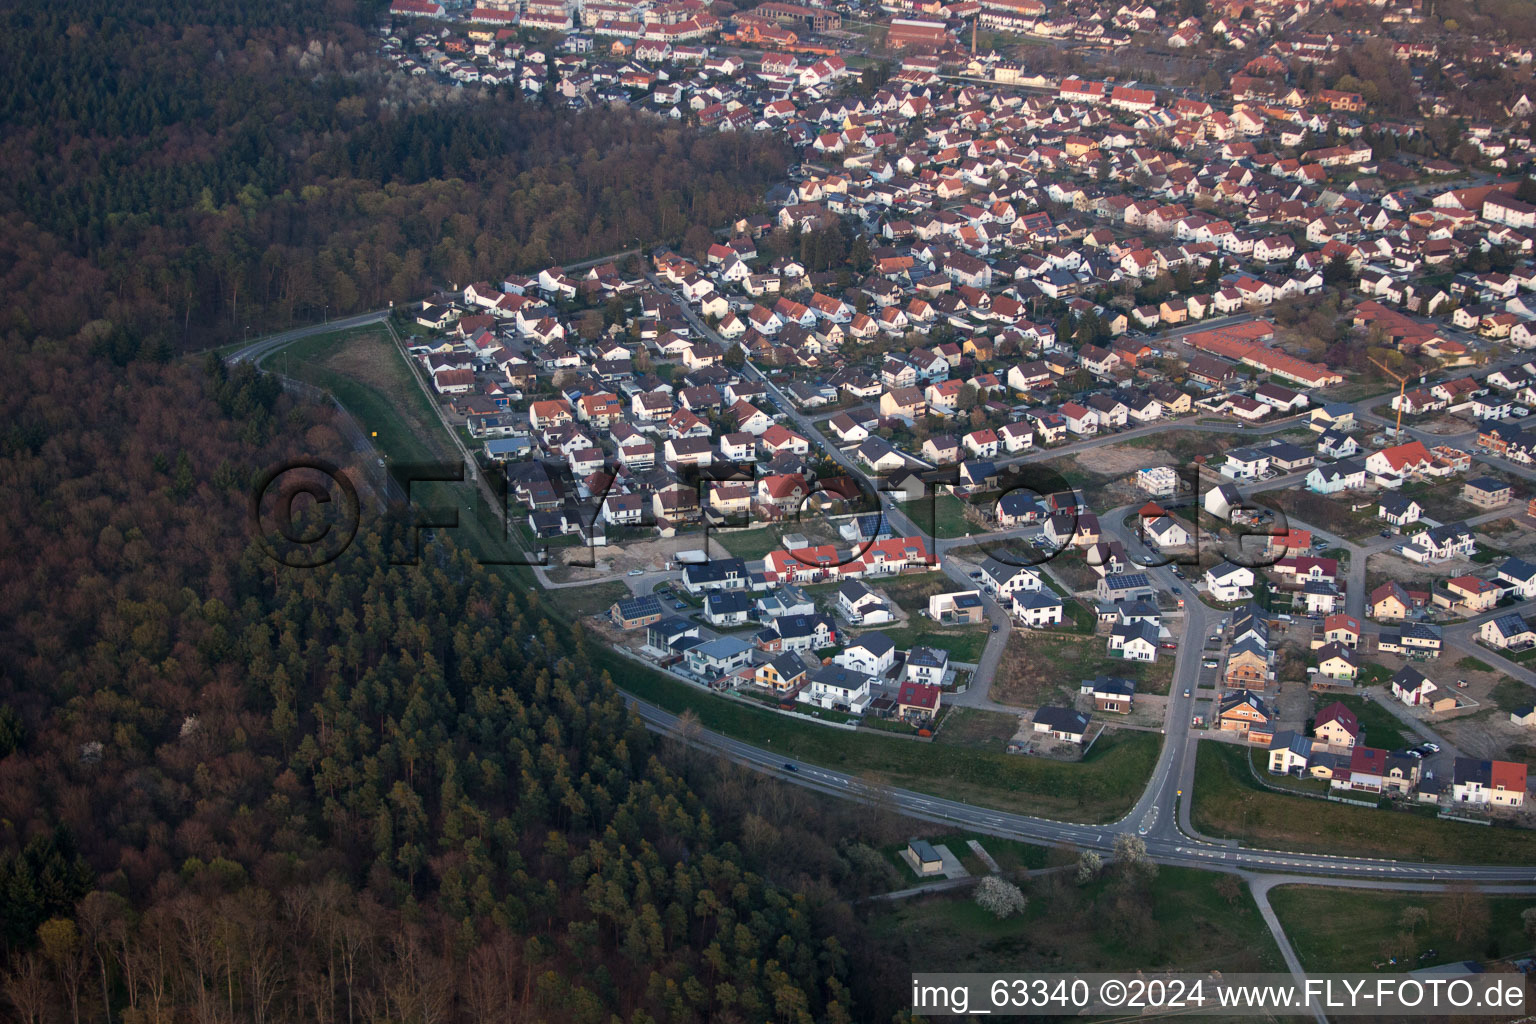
{"x": 635, "y": 572}
{"x": 1386, "y": 533}
{"x": 1433, "y": 748}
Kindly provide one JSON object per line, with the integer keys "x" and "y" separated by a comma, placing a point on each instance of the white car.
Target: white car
{"x": 635, "y": 572}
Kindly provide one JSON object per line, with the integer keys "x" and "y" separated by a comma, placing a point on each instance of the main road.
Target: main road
{"x": 1165, "y": 843}
{"x": 265, "y": 346}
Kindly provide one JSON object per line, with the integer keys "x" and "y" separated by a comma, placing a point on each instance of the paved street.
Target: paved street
{"x": 1167, "y": 844}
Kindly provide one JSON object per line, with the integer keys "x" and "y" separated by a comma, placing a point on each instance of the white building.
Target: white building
{"x": 1228, "y": 582}
{"x": 832, "y": 685}
{"x": 1158, "y": 481}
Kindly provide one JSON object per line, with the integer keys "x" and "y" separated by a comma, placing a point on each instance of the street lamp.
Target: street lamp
{"x": 327, "y": 312}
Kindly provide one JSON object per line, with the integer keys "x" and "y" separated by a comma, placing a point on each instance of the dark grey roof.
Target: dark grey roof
{"x": 1115, "y": 685}
{"x": 1062, "y": 719}
{"x": 928, "y": 657}
{"x": 877, "y": 643}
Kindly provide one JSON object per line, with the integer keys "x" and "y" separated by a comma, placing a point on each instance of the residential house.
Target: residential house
{"x": 1247, "y": 714}
{"x": 1468, "y": 594}
{"x": 1412, "y": 687}
{"x": 1247, "y": 664}
{"x": 1111, "y": 693}
{"x": 1134, "y": 641}
{"x": 862, "y": 606}
{"x": 1339, "y": 628}
{"x": 1518, "y": 577}
{"x": 964, "y": 606}
{"x": 927, "y": 665}
{"x": 871, "y": 653}
{"x": 834, "y": 687}
{"x": 636, "y": 612}
{"x": 1289, "y": 753}
{"x": 1228, "y": 582}
{"x": 918, "y": 702}
{"x": 728, "y": 608}
{"x": 1118, "y": 588}
{"x": 721, "y": 656}
{"x": 1507, "y": 632}
{"x": 1343, "y": 475}
{"x": 1336, "y": 661}
{"x": 1499, "y": 784}
{"x": 1486, "y": 492}
{"x": 1063, "y": 724}
{"x": 1440, "y": 543}
{"x": 1399, "y": 510}
{"x": 1337, "y": 726}
{"x": 1037, "y": 609}
{"x": 780, "y": 673}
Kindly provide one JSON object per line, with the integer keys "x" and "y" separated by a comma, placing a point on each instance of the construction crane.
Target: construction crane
{"x": 1402, "y": 388}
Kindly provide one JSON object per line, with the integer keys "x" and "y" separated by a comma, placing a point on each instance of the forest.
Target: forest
{"x": 235, "y": 791}
{"x": 183, "y": 174}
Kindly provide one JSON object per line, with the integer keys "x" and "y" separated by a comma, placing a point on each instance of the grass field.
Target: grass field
{"x": 973, "y": 727}
{"x": 1509, "y": 694}
{"x": 1259, "y": 760}
{"x": 962, "y": 644}
{"x": 1382, "y": 729}
{"x": 590, "y": 600}
{"x": 1335, "y": 929}
{"x": 752, "y": 545}
{"x": 942, "y": 516}
{"x": 1075, "y": 928}
{"x": 1100, "y": 788}
{"x": 366, "y": 373}
{"x": 1229, "y": 804}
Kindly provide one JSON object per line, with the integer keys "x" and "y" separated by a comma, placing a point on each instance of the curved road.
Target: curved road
{"x": 259, "y": 349}
{"x": 1166, "y": 844}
